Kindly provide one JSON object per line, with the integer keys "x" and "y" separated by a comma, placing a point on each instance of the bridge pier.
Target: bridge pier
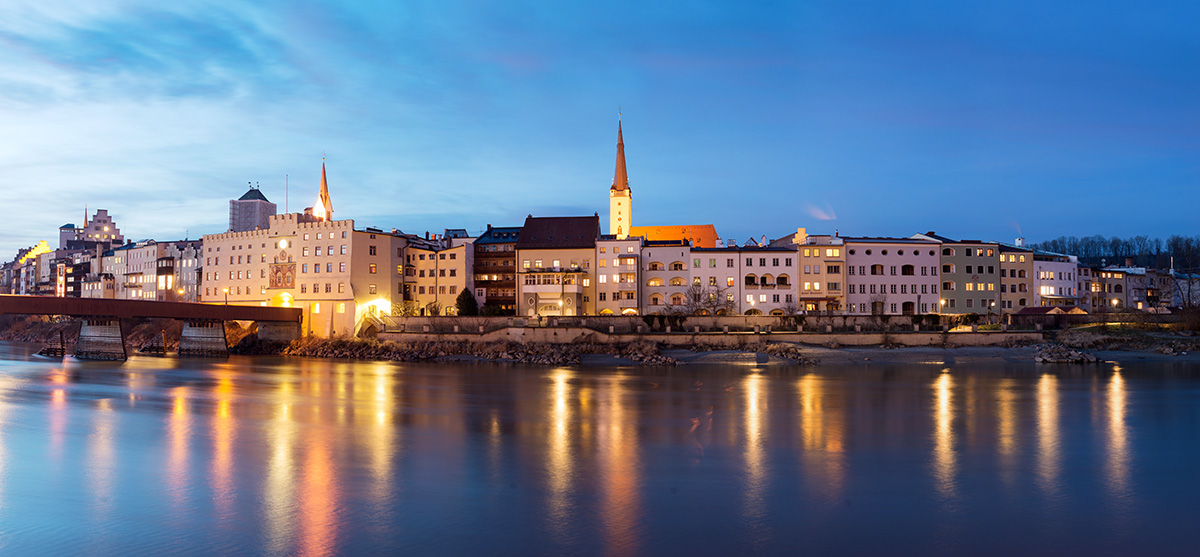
{"x": 100, "y": 338}
{"x": 285, "y": 331}
{"x": 203, "y": 338}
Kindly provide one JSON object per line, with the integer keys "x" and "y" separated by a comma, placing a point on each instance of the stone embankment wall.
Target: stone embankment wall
{"x": 653, "y": 323}
{"x": 717, "y": 340}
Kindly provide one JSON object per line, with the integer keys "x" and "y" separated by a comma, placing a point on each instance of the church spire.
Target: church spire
{"x": 620, "y": 179}
{"x": 324, "y": 208}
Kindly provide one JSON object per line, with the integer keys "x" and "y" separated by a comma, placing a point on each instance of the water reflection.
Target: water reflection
{"x": 1119, "y": 455}
{"x": 224, "y": 436}
{"x": 821, "y": 430}
{"x": 944, "y": 458}
{"x": 278, "y": 491}
{"x": 101, "y": 469}
{"x": 754, "y": 506}
{"x": 560, "y": 463}
{"x": 1006, "y": 429}
{"x": 618, "y": 448}
{"x": 1048, "y": 455}
{"x": 315, "y": 458}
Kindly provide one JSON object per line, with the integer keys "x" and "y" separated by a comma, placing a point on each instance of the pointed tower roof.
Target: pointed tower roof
{"x": 620, "y": 179}
{"x": 324, "y": 208}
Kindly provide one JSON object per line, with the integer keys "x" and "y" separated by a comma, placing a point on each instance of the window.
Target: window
{"x": 343, "y": 248}
{"x": 370, "y": 269}
{"x": 729, "y": 262}
{"x": 328, "y": 287}
{"x": 371, "y": 289}
{"x": 762, "y": 262}
{"x": 370, "y": 250}
{"x": 696, "y": 263}
{"x": 318, "y": 251}
{"x": 749, "y": 263}
{"x": 304, "y": 268}
{"x": 603, "y": 295}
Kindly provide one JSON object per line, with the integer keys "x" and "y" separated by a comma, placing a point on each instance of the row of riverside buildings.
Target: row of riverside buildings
{"x": 346, "y": 277}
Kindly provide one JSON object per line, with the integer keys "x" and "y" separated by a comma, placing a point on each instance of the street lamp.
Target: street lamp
{"x": 226, "y": 291}
{"x": 180, "y": 294}
{"x": 941, "y": 302}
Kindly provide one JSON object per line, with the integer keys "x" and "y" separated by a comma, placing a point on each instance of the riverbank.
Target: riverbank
{"x": 1081, "y": 345}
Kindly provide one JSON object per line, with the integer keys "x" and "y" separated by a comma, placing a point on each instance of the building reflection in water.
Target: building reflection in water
{"x": 59, "y": 377}
{"x": 617, "y": 440}
{"x": 822, "y": 429}
{"x": 1006, "y": 429}
{"x": 944, "y": 457}
{"x": 560, "y": 462}
{"x": 1049, "y": 450}
{"x": 101, "y": 460}
{"x": 754, "y": 436}
{"x": 278, "y": 492}
{"x": 382, "y": 443}
{"x": 1118, "y": 441}
{"x": 179, "y": 425}
{"x": 223, "y": 438}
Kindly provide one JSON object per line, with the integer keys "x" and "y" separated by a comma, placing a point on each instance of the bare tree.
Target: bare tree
{"x": 707, "y": 299}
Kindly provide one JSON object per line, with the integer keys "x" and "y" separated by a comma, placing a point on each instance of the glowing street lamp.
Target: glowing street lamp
{"x": 226, "y": 291}
{"x": 180, "y": 294}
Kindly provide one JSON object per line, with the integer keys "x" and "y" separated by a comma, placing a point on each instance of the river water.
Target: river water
{"x": 314, "y": 457}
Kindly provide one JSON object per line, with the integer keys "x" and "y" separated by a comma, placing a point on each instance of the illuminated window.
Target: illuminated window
{"x": 371, "y": 269}
{"x": 317, "y": 305}
{"x": 342, "y": 307}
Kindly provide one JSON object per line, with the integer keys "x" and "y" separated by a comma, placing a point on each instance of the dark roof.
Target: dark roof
{"x": 880, "y": 240}
{"x": 68, "y": 225}
{"x": 499, "y": 235}
{"x": 559, "y": 232}
{"x": 253, "y": 195}
{"x": 456, "y": 233}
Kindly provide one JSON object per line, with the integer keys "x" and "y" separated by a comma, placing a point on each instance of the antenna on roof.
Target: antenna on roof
{"x": 285, "y": 194}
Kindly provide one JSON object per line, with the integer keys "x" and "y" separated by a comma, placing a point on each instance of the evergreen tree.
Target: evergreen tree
{"x": 466, "y": 303}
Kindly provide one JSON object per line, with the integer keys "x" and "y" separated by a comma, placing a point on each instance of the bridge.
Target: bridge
{"x": 101, "y": 335}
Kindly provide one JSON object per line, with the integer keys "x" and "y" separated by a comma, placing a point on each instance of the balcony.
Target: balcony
{"x": 552, "y": 288}
{"x": 623, "y": 303}
{"x": 624, "y": 286}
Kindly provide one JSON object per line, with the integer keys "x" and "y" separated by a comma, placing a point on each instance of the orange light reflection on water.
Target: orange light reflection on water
{"x": 944, "y": 457}
{"x": 618, "y": 448}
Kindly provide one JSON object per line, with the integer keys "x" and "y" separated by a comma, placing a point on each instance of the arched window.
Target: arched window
{"x": 654, "y": 282}
{"x": 676, "y": 281}
{"x": 753, "y": 312}
{"x": 1117, "y": 288}
{"x": 766, "y": 280}
{"x": 908, "y": 270}
{"x": 876, "y": 269}
{"x": 947, "y": 251}
{"x": 656, "y": 300}
{"x": 656, "y": 266}
{"x": 781, "y": 280}
{"x": 751, "y": 280}
{"x": 677, "y": 299}
{"x": 678, "y": 266}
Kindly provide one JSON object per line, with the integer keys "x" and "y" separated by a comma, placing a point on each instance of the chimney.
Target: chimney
{"x": 1020, "y": 242}
{"x": 1128, "y": 261}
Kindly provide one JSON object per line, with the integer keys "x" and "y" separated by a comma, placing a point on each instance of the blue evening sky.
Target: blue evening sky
{"x": 876, "y": 118}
